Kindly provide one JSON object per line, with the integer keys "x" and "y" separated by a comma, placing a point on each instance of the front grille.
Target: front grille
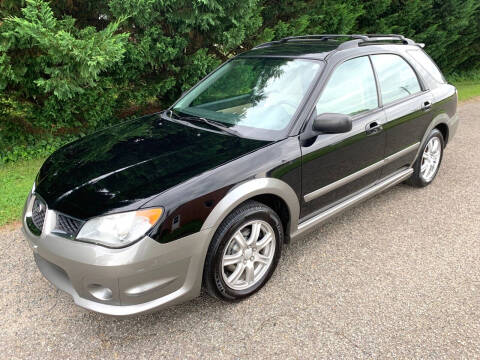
{"x": 68, "y": 225}
{"x": 39, "y": 210}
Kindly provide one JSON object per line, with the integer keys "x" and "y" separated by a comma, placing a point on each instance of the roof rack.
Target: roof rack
{"x": 321, "y": 37}
{"x": 324, "y": 37}
{"x": 355, "y": 39}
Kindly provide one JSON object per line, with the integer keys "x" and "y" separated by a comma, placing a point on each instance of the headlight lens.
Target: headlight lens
{"x": 119, "y": 230}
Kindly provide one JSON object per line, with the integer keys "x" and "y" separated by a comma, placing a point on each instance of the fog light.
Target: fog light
{"x": 100, "y": 292}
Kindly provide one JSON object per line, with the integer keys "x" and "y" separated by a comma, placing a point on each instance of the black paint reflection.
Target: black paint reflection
{"x": 122, "y": 167}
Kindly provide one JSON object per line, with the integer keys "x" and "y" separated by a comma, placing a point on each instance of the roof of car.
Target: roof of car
{"x": 319, "y": 46}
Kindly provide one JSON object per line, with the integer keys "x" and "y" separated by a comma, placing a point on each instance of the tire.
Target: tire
{"x": 421, "y": 178}
{"x": 228, "y": 247}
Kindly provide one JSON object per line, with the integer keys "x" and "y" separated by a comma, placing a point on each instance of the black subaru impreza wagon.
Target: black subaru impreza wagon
{"x": 272, "y": 143}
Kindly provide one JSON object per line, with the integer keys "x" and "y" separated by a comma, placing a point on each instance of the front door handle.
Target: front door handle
{"x": 373, "y": 128}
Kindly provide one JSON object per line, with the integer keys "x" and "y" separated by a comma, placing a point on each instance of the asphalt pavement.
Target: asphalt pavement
{"x": 396, "y": 276}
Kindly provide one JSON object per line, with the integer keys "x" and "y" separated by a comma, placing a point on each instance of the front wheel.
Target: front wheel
{"x": 428, "y": 162}
{"x": 244, "y": 252}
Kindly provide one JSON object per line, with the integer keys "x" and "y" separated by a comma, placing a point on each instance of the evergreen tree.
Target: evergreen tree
{"x": 50, "y": 70}
{"x": 446, "y": 27}
{"x": 71, "y": 66}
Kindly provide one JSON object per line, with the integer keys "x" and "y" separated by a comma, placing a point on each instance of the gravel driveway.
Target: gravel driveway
{"x": 397, "y": 276}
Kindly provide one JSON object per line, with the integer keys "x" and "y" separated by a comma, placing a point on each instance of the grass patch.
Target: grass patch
{"x": 467, "y": 83}
{"x": 16, "y": 180}
{"x": 467, "y": 89}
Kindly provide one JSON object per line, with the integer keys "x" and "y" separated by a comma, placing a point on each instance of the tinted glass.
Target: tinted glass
{"x": 252, "y": 94}
{"x": 397, "y": 78}
{"x": 424, "y": 61}
{"x": 350, "y": 90}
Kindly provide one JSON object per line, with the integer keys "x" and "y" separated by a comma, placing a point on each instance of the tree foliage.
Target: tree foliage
{"x": 68, "y": 67}
{"x": 50, "y": 72}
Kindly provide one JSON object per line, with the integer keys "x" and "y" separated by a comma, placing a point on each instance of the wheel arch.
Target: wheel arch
{"x": 264, "y": 190}
{"x": 443, "y": 128}
{"x": 440, "y": 122}
{"x": 277, "y": 204}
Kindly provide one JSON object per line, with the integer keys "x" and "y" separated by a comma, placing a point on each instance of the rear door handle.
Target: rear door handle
{"x": 373, "y": 128}
{"x": 427, "y": 105}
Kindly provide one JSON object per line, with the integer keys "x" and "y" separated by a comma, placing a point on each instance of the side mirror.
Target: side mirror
{"x": 332, "y": 123}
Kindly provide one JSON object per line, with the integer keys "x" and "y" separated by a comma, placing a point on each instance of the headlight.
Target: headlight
{"x": 119, "y": 230}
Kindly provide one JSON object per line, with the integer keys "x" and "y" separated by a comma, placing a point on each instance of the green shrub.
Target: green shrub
{"x": 50, "y": 74}
{"x": 70, "y": 67}
{"x": 464, "y": 76}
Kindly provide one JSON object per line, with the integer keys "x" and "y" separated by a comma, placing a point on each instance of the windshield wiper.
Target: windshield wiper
{"x": 216, "y": 124}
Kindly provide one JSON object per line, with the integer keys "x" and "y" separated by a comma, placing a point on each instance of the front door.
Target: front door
{"x": 335, "y": 166}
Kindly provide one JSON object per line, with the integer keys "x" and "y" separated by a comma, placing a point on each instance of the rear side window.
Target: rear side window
{"x": 350, "y": 90}
{"x": 422, "y": 59}
{"x": 396, "y": 77}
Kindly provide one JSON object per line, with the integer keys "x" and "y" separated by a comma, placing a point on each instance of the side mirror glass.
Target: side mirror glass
{"x": 332, "y": 123}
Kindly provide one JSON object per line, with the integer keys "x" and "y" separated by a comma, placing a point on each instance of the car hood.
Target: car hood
{"x": 122, "y": 167}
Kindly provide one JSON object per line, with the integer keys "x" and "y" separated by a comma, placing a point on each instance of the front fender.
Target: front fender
{"x": 252, "y": 188}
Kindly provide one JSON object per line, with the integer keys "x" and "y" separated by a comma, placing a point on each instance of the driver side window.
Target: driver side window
{"x": 350, "y": 90}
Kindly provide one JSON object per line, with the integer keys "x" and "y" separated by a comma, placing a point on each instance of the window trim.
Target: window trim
{"x": 377, "y": 83}
{"x": 297, "y": 116}
{"x": 319, "y": 85}
{"x": 327, "y": 80}
{"x": 423, "y": 88}
{"x": 324, "y": 77}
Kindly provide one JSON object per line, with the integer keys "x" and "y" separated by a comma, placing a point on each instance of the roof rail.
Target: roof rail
{"x": 390, "y": 37}
{"x": 320, "y": 37}
{"x": 373, "y": 39}
{"x": 323, "y": 37}
{"x": 355, "y": 39}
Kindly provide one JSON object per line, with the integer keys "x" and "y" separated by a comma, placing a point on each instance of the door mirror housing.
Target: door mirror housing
{"x": 332, "y": 123}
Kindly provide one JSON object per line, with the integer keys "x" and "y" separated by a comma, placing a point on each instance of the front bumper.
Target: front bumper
{"x": 143, "y": 277}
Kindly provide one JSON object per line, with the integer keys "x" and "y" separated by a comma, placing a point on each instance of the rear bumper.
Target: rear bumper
{"x": 452, "y": 126}
{"x": 140, "y": 278}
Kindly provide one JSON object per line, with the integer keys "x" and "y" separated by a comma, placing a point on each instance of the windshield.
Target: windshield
{"x": 257, "y": 97}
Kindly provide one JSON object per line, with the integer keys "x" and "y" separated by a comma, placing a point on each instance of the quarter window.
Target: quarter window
{"x": 427, "y": 63}
{"x": 351, "y": 89}
{"x": 396, "y": 77}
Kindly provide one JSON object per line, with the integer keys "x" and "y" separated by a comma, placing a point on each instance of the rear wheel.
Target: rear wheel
{"x": 428, "y": 162}
{"x": 244, "y": 252}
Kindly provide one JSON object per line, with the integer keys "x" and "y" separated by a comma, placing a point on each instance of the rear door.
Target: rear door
{"x": 407, "y": 106}
{"x": 335, "y": 166}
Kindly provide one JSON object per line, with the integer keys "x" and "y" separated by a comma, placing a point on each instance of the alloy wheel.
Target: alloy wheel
{"x": 431, "y": 159}
{"x": 248, "y": 255}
